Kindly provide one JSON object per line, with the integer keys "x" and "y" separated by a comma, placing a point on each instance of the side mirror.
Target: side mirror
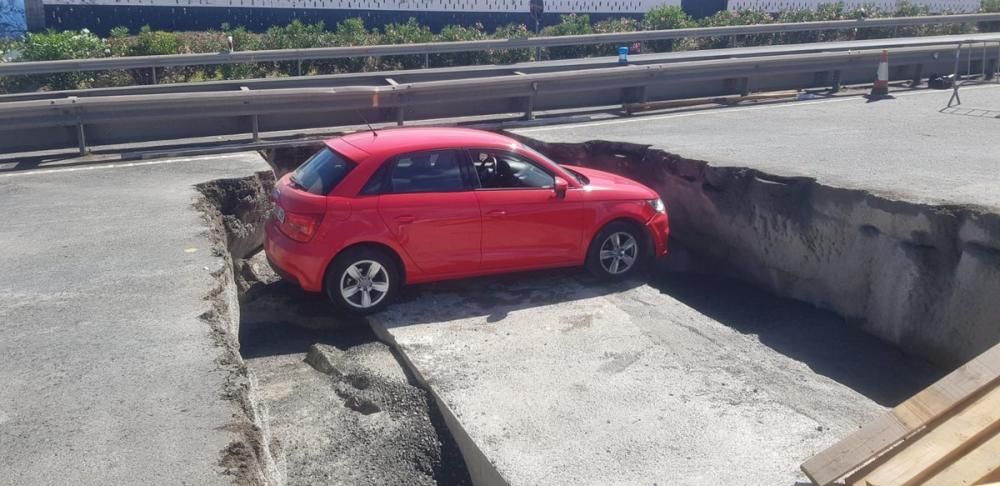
{"x": 561, "y": 186}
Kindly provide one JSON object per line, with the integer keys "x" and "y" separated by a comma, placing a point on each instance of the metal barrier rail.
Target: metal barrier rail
{"x": 426, "y": 49}
{"x": 117, "y": 119}
{"x": 384, "y": 78}
{"x": 990, "y": 69}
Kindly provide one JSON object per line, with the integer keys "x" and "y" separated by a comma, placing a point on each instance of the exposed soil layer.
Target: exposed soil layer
{"x": 232, "y": 208}
{"x": 324, "y": 401}
{"x": 920, "y": 276}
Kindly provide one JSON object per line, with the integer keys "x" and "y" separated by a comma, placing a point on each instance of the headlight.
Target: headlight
{"x": 657, "y": 205}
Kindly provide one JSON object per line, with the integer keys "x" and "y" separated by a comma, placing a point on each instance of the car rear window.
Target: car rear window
{"x": 322, "y": 172}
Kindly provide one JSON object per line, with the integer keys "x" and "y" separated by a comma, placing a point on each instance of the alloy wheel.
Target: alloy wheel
{"x": 618, "y": 253}
{"x": 364, "y": 284}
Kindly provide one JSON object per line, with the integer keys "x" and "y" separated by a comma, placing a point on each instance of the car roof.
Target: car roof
{"x": 399, "y": 140}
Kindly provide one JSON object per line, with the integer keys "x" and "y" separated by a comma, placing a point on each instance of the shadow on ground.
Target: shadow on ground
{"x": 827, "y": 343}
{"x": 279, "y": 319}
{"x": 830, "y": 345}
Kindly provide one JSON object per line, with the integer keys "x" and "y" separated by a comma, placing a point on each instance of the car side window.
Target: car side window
{"x": 504, "y": 170}
{"x": 437, "y": 171}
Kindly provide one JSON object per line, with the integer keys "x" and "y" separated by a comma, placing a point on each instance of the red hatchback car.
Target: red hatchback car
{"x": 374, "y": 210}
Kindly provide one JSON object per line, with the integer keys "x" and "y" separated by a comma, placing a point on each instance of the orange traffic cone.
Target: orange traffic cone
{"x": 881, "y": 87}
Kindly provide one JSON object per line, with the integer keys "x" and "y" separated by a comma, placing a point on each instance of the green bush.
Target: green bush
{"x": 409, "y": 32}
{"x": 571, "y": 24}
{"x": 989, "y": 6}
{"x": 611, "y": 26}
{"x": 511, "y": 56}
{"x": 352, "y": 32}
{"x": 728, "y": 18}
{"x": 155, "y": 43}
{"x": 53, "y": 45}
{"x": 458, "y": 33}
{"x": 667, "y": 17}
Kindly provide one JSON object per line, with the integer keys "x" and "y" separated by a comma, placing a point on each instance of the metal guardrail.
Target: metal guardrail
{"x": 384, "y": 78}
{"x": 426, "y": 49}
{"x": 38, "y": 124}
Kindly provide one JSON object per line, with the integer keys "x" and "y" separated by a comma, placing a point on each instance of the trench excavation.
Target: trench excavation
{"x": 323, "y": 400}
{"x": 922, "y": 277}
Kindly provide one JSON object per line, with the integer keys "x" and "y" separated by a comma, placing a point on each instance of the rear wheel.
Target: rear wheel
{"x": 617, "y": 252}
{"x": 362, "y": 281}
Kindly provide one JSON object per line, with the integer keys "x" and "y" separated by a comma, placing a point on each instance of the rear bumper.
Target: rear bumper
{"x": 293, "y": 260}
{"x": 659, "y": 231}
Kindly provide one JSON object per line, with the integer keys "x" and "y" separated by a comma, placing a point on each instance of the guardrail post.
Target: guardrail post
{"x": 996, "y": 64}
{"x": 835, "y": 85}
{"x": 529, "y": 105}
{"x": 968, "y": 67}
{"x": 153, "y": 69}
{"x": 427, "y": 60}
{"x": 632, "y": 95}
{"x": 255, "y": 126}
{"x": 918, "y": 75}
{"x": 81, "y": 138}
{"x": 400, "y": 112}
{"x": 300, "y": 67}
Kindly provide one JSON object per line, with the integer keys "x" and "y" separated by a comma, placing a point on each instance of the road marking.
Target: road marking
{"x": 720, "y": 111}
{"x": 113, "y": 166}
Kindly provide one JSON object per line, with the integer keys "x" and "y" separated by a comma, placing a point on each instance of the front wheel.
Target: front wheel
{"x": 362, "y": 281}
{"x": 617, "y": 252}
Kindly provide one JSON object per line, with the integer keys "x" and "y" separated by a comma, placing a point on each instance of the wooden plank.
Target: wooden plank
{"x": 992, "y": 480}
{"x": 973, "y": 468}
{"x": 900, "y": 422}
{"x": 916, "y": 460}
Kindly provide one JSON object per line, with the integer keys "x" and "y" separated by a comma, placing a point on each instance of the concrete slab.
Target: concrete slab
{"x": 910, "y": 147}
{"x": 558, "y": 379}
{"x": 109, "y": 376}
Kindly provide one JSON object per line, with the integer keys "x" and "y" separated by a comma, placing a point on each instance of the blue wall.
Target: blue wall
{"x": 12, "y": 17}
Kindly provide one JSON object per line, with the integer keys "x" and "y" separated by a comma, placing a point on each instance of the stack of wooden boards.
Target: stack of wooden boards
{"x": 948, "y": 434}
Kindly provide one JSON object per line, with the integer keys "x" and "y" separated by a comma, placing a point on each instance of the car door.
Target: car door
{"x": 525, "y": 224}
{"x": 426, "y": 201}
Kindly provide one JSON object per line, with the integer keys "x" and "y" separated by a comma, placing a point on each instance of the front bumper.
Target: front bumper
{"x": 659, "y": 229}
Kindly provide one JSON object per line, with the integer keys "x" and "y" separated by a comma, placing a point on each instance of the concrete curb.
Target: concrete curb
{"x": 482, "y": 471}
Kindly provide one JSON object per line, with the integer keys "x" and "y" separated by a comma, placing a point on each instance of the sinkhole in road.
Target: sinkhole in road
{"x": 330, "y": 403}
{"x": 333, "y": 403}
{"x": 922, "y": 277}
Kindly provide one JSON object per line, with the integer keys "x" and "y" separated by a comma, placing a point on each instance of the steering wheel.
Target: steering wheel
{"x": 487, "y": 169}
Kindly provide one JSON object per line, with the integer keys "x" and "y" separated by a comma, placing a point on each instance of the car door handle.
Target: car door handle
{"x": 405, "y": 219}
{"x": 496, "y": 213}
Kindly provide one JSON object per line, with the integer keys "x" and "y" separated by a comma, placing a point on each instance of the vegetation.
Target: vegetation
{"x": 54, "y": 45}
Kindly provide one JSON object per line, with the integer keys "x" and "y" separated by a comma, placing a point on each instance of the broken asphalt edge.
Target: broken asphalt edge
{"x": 482, "y": 471}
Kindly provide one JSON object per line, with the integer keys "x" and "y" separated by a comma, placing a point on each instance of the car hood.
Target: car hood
{"x": 615, "y": 186}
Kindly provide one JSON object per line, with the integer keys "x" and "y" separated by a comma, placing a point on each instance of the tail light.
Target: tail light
{"x": 300, "y": 227}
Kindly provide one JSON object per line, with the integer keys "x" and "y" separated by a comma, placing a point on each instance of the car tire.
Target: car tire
{"x": 623, "y": 248}
{"x": 362, "y": 281}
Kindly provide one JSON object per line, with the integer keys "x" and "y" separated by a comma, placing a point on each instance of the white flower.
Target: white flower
{"x": 85, "y": 31}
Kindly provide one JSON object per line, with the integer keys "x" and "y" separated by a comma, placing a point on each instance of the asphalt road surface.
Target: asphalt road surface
{"x": 108, "y": 375}
{"x": 910, "y": 147}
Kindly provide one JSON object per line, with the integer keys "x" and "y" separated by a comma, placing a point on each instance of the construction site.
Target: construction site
{"x": 826, "y": 312}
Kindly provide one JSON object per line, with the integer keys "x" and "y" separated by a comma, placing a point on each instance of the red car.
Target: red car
{"x": 374, "y": 210}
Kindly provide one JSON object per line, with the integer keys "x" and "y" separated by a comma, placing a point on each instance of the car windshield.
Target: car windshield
{"x": 582, "y": 179}
{"x": 322, "y": 172}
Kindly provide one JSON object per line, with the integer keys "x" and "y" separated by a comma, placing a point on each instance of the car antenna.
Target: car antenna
{"x": 374, "y": 133}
